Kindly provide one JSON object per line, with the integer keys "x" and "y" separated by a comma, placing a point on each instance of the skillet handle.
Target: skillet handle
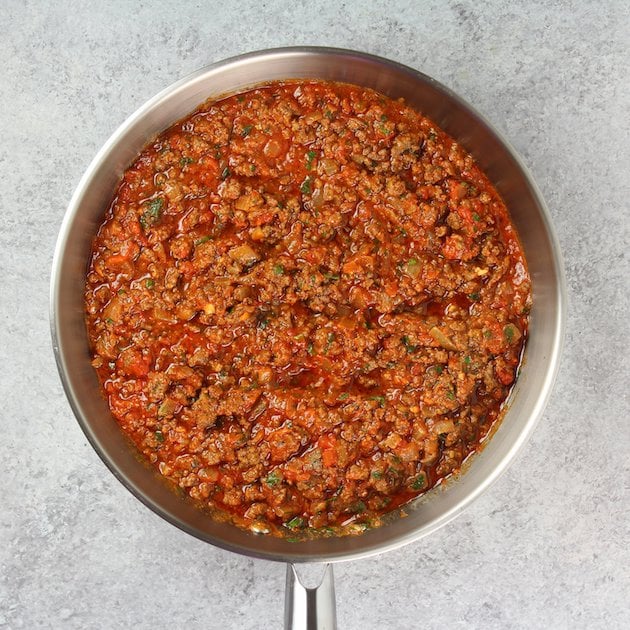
{"x": 310, "y": 608}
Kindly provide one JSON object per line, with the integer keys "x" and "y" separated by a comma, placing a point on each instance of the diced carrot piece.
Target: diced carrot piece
{"x": 329, "y": 457}
{"x": 327, "y": 444}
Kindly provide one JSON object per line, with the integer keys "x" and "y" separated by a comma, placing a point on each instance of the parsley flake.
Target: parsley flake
{"x": 305, "y": 188}
{"x": 310, "y": 156}
{"x": 152, "y": 213}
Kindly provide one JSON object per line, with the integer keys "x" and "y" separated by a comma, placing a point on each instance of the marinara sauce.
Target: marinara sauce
{"x": 306, "y": 305}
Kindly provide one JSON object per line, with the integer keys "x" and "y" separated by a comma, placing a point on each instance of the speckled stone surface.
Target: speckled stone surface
{"x": 547, "y": 546}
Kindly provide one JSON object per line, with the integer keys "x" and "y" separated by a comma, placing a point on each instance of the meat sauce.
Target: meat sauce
{"x": 307, "y": 305}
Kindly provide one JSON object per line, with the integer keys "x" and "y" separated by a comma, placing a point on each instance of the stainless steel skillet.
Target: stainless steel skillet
{"x": 312, "y": 609}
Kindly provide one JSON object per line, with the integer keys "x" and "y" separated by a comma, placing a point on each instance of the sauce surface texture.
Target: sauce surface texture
{"x": 306, "y": 306}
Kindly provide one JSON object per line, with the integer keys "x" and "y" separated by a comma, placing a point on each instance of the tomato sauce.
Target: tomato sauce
{"x": 307, "y": 305}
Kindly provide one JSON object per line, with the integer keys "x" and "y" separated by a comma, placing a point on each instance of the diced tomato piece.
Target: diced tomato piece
{"x": 458, "y": 191}
{"x": 132, "y": 363}
{"x": 117, "y": 260}
{"x": 453, "y": 247}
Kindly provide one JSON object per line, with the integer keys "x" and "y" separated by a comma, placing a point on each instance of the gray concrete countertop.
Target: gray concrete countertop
{"x": 547, "y": 546}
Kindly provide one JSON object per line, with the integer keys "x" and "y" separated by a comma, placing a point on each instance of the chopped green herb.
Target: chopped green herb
{"x": 185, "y": 161}
{"x": 413, "y": 267}
{"x": 310, "y": 156}
{"x": 225, "y": 173}
{"x": 203, "y": 239}
{"x": 305, "y": 188}
{"x": 109, "y": 320}
{"x": 328, "y": 114}
{"x": 383, "y": 117}
{"x": 273, "y": 479}
{"x": 511, "y": 333}
{"x": 159, "y": 436}
{"x": 475, "y": 297}
{"x": 329, "y": 342}
{"x": 358, "y": 507}
{"x": 247, "y": 130}
{"x": 379, "y": 399}
{"x": 438, "y": 369}
{"x": 262, "y": 321}
{"x": 153, "y": 212}
{"x": 467, "y": 361}
{"x": 409, "y": 347}
{"x": 327, "y": 531}
{"x": 331, "y": 276}
{"x": 476, "y": 217}
{"x": 343, "y": 396}
{"x": 377, "y": 474}
{"x": 149, "y": 283}
{"x": 252, "y": 168}
{"x": 310, "y": 349}
{"x": 278, "y": 270}
{"x": 488, "y": 334}
{"x": 419, "y": 482}
{"x": 450, "y": 394}
{"x": 296, "y": 522}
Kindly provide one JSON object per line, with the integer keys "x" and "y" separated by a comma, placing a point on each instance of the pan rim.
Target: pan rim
{"x": 294, "y": 555}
